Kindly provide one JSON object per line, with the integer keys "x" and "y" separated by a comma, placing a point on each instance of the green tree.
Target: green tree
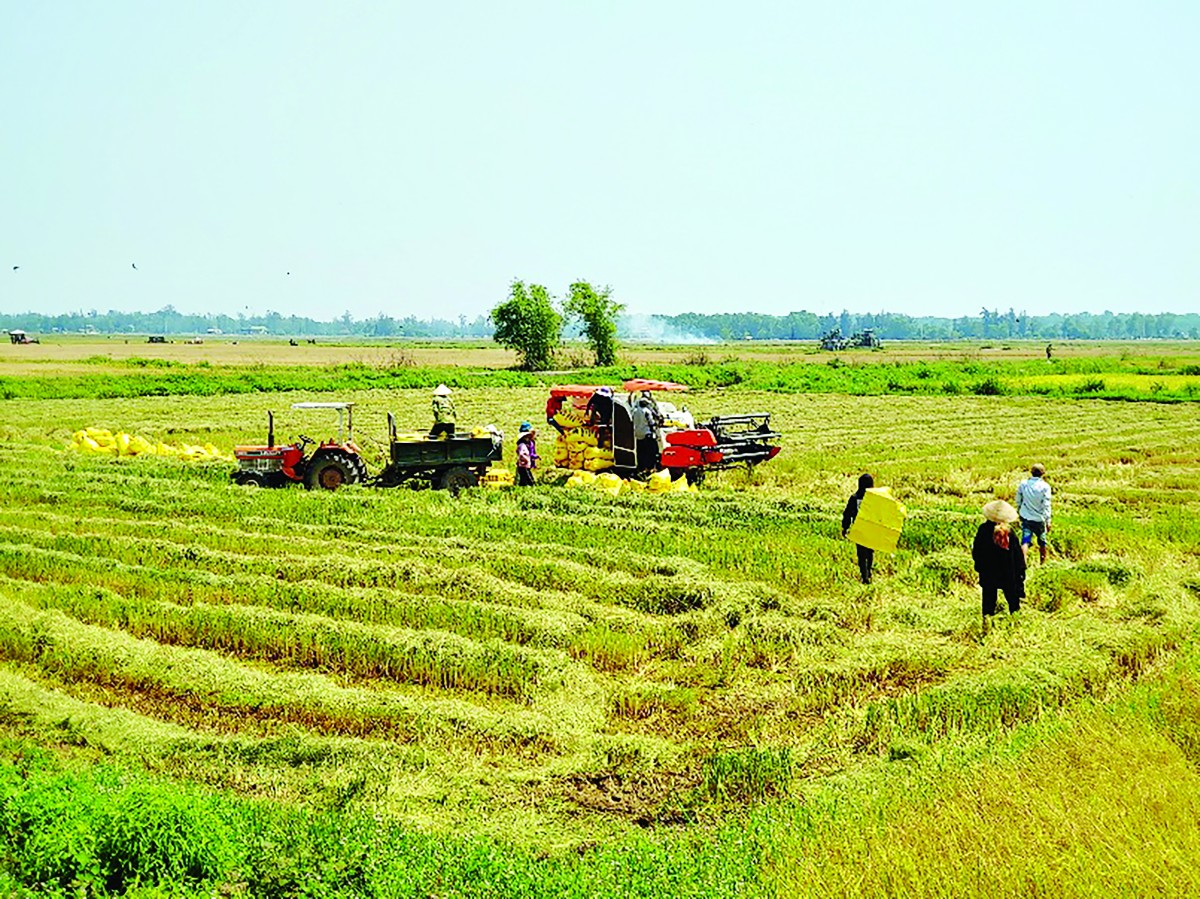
{"x": 597, "y": 311}
{"x": 528, "y": 323}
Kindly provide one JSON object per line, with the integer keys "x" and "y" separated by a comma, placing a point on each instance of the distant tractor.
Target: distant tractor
{"x": 21, "y": 338}
{"x": 329, "y": 466}
{"x": 860, "y": 340}
{"x": 865, "y": 339}
{"x": 833, "y": 340}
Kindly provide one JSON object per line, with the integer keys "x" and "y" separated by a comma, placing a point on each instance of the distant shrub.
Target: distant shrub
{"x": 988, "y": 387}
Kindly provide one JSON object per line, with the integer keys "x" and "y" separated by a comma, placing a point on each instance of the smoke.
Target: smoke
{"x": 652, "y": 329}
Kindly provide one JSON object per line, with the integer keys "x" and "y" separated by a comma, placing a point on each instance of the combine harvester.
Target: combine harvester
{"x": 449, "y": 464}
{"x": 600, "y": 431}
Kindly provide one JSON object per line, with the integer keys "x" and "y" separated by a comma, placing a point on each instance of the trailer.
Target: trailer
{"x": 447, "y": 463}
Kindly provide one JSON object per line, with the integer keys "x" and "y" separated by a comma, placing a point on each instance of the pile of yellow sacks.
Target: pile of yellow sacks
{"x": 496, "y": 476}
{"x": 105, "y": 442}
{"x": 659, "y": 483}
{"x": 577, "y": 449}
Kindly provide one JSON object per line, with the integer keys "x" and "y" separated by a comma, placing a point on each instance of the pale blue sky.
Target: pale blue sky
{"x": 413, "y": 158}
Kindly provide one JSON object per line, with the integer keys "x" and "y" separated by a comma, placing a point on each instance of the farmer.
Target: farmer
{"x": 526, "y": 454}
{"x": 553, "y": 407}
{"x": 998, "y": 560}
{"x": 599, "y": 414}
{"x": 443, "y": 412}
{"x": 866, "y": 555}
{"x": 645, "y": 433}
{"x": 1033, "y": 505}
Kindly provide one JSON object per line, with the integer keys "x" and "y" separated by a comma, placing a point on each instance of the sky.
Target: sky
{"x": 405, "y": 158}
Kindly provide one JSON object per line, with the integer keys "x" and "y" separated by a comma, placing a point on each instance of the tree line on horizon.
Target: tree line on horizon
{"x": 688, "y": 326}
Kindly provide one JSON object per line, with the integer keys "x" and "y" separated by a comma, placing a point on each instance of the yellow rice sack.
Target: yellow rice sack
{"x": 659, "y": 481}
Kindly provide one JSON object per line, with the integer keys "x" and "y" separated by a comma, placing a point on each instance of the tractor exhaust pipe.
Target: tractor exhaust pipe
{"x": 270, "y": 430}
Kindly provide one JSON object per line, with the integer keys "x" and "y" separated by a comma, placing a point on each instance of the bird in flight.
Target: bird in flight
{"x": 15, "y": 267}
{"x": 134, "y": 264}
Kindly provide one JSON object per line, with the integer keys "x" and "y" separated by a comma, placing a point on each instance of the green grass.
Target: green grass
{"x": 552, "y": 691}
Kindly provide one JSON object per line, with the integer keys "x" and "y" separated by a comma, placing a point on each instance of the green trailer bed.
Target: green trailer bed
{"x": 449, "y": 463}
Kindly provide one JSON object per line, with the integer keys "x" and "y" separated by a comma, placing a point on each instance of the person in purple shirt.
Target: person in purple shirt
{"x": 527, "y": 455}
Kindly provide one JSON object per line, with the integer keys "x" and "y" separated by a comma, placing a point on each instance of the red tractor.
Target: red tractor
{"x": 645, "y": 435}
{"x": 330, "y": 465}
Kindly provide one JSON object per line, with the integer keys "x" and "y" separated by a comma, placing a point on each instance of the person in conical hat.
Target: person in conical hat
{"x": 999, "y": 512}
{"x": 443, "y": 412}
{"x": 998, "y": 558}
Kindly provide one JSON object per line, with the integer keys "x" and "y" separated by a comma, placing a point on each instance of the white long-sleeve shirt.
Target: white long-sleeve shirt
{"x": 1033, "y": 500}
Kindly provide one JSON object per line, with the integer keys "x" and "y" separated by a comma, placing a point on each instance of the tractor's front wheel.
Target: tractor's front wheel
{"x": 330, "y": 471}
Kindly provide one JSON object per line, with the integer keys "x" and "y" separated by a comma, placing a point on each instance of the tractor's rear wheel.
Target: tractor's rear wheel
{"x": 329, "y": 471}
{"x": 457, "y": 479}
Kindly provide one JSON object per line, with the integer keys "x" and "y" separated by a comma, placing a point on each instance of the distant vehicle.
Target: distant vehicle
{"x": 866, "y": 339}
{"x": 156, "y": 338}
{"x": 860, "y": 340}
{"x": 833, "y": 340}
{"x": 20, "y": 337}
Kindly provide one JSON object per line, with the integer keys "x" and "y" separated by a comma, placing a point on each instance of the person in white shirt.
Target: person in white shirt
{"x": 1033, "y": 505}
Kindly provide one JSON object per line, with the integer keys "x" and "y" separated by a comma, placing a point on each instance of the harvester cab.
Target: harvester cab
{"x": 331, "y": 463}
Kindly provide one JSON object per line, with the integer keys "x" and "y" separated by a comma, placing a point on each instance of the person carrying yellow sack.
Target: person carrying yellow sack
{"x": 866, "y": 555}
{"x": 443, "y": 412}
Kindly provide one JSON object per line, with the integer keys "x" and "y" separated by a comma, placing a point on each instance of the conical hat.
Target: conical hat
{"x": 441, "y": 390}
{"x": 1000, "y": 512}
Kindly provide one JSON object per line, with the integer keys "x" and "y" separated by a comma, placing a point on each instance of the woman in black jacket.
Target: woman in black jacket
{"x": 998, "y": 557}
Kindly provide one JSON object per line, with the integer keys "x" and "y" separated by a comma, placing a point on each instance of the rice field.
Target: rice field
{"x": 555, "y": 670}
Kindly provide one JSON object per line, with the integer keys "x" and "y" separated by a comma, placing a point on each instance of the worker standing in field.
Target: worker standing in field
{"x": 998, "y": 559}
{"x": 646, "y": 426}
{"x": 1033, "y": 505}
{"x": 866, "y": 555}
{"x": 443, "y": 412}
{"x": 526, "y": 454}
{"x": 553, "y": 407}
